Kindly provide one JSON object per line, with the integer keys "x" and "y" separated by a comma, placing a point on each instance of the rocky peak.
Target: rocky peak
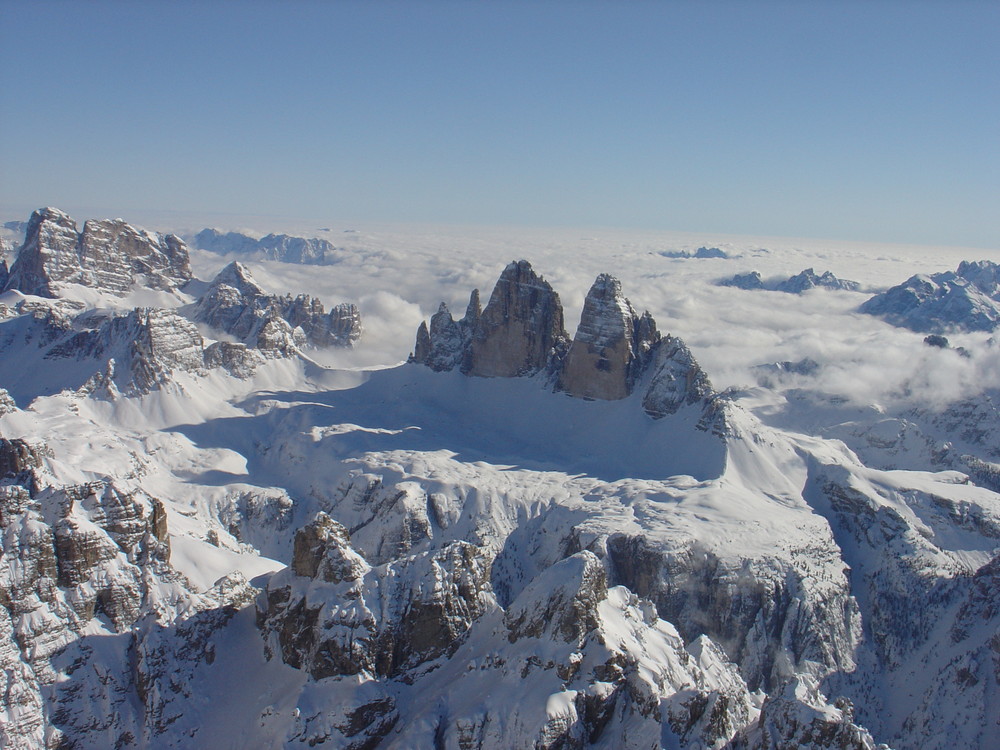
{"x": 562, "y": 601}
{"x": 143, "y": 347}
{"x": 7, "y": 403}
{"x": 808, "y": 279}
{"x": 278, "y": 326}
{"x": 239, "y": 278}
{"x": 109, "y": 255}
{"x": 520, "y": 332}
{"x": 966, "y": 300}
{"x": 521, "y": 328}
{"x": 611, "y": 346}
{"x": 677, "y": 380}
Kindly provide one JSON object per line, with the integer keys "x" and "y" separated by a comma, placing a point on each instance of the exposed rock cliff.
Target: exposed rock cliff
{"x": 612, "y": 345}
{"x": 146, "y": 345}
{"x": 521, "y": 328}
{"x": 109, "y": 255}
{"x": 277, "y": 326}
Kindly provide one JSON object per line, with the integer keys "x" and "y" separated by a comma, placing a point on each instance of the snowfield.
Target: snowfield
{"x": 341, "y": 548}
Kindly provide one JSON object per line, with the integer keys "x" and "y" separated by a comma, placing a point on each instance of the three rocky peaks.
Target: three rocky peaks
{"x": 520, "y": 333}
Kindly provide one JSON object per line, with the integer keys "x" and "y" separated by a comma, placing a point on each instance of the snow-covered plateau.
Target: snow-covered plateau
{"x": 418, "y": 492}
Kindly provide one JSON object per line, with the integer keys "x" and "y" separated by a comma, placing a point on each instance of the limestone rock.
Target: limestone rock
{"x": 520, "y": 332}
{"x": 18, "y": 457}
{"x": 808, "y": 279}
{"x": 237, "y": 359}
{"x": 147, "y": 345}
{"x": 7, "y": 403}
{"x": 611, "y": 347}
{"x": 332, "y": 614}
{"x": 797, "y": 284}
{"x": 279, "y": 247}
{"x": 109, "y": 255}
{"x": 444, "y": 345}
{"x": 800, "y": 716}
{"x": 750, "y": 281}
{"x": 521, "y": 328}
{"x": 677, "y": 379}
{"x": 561, "y": 602}
{"x": 277, "y": 326}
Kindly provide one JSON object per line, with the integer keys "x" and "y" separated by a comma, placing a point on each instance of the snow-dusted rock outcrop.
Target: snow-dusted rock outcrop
{"x": 519, "y": 332}
{"x": 331, "y": 613}
{"x": 108, "y": 255}
{"x": 277, "y": 326}
{"x": 143, "y": 348}
{"x": 967, "y": 299}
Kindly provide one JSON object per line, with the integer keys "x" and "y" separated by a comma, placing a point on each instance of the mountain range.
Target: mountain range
{"x": 517, "y": 538}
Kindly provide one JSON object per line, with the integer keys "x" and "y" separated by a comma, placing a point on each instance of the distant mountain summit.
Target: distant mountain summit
{"x": 279, "y": 247}
{"x": 800, "y": 282}
{"x": 109, "y": 255}
{"x": 967, "y": 299}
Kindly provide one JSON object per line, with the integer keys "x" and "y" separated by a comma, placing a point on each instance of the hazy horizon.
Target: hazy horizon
{"x": 861, "y": 122}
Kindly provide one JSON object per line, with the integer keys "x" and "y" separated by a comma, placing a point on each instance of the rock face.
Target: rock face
{"x": 519, "y": 333}
{"x": 332, "y": 614}
{"x": 109, "y": 255}
{"x": 967, "y": 299}
{"x": 279, "y": 247}
{"x": 520, "y": 329}
{"x": 612, "y": 345}
{"x": 615, "y": 350}
{"x": 677, "y": 380}
{"x": 797, "y": 284}
{"x": 143, "y": 347}
{"x": 7, "y": 404}
{"x": 86, "y": 563}
{"x": 277, "y": 326}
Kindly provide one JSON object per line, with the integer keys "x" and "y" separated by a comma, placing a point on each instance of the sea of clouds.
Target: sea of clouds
{"x": 398, "y": 276}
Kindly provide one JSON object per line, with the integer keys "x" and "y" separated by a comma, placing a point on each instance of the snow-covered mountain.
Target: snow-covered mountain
{"x": 279, "y": 247}
{"x": 109, "y": 255}
{"x": 519, "y": 538}
{"x": 800, "y": 282}
{"x": 967, "y": 299}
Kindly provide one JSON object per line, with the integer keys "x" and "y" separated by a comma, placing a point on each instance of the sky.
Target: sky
{"x": 871, "y": 121}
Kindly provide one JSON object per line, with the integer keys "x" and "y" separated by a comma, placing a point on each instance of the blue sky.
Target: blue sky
{"x": 870, "y": 121}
